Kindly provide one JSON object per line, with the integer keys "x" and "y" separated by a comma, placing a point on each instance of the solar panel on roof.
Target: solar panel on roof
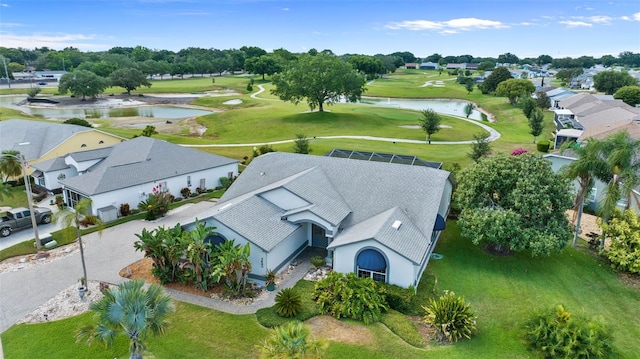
{"x": 382, "y": 157}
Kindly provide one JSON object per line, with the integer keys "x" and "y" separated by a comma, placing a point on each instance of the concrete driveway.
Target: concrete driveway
{"x": 24, "y": 290}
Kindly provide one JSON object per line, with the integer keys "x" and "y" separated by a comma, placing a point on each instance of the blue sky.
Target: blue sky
{"x": 480, "y": 28}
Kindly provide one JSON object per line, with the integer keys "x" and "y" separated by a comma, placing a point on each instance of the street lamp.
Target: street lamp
{"x": 27, "y": 184}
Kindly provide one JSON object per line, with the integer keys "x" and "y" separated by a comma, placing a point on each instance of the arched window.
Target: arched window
{"x": 215, "y": 239}
{"x": 372, "y": 264}
{"x": 84, "y": 145}
{"x": 101, "y": 142}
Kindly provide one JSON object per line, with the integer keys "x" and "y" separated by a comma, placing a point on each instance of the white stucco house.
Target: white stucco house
{"x": 377, "y": 219}
{"x": 128, "y": 171}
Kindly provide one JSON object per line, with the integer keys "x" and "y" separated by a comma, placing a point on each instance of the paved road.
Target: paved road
{"x": 28, "y": 234}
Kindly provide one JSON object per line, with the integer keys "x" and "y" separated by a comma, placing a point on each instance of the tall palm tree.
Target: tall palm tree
{"x": 588, "y": 166}
{"x": 72, "y": 218}
{"x": 130, "y": 310}
{"x": 10, "y": 165}
{"x": 623, "y": 161}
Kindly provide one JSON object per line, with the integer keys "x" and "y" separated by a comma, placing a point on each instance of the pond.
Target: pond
{"x": 155, "y": 111}
{"x": 447, "y": 107}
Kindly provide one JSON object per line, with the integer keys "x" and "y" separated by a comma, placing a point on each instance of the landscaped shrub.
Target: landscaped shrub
{"x": 292, "y": 341}
{"x": 451, "y": 316}
{"x": 89, "y": 220}
{"x": 348, "y": 296}
{"x": 397, "y": 297}
{"x": 519, "y": 151}
{"x": 125, "y": 210}
{"x": 288, "y": 302}
{"x": 543, "y": 146}
{"x": 225, "y": 182}
{"x": 185, "y": 192}
{"x": 624, "y": 232}
{"x": 157, "y": 204}
{"x": 558, "y": 334}
{"x": 317, "y": 261}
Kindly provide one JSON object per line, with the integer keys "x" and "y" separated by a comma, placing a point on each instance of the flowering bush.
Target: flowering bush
{"x": 519, "y": 151}
{"x": 157, "y": 204}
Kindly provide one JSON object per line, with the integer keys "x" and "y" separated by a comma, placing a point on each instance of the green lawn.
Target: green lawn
{"x": 18, "y": 198}
{"x": 503, "y": 292}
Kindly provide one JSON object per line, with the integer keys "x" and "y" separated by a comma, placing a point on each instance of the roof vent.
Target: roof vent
{"x": 396, "y": 225}
{"x": 262, "y": 173}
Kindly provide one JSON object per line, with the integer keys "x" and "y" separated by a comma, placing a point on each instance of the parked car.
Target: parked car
{"x": 42, "y": 83}
{"x": 20, "y": 218}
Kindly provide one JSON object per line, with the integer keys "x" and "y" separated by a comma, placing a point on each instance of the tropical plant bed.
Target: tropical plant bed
{"x": 142, "y": 270}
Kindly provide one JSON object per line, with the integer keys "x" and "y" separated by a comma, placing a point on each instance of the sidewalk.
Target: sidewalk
{"x": 22, "y": 291}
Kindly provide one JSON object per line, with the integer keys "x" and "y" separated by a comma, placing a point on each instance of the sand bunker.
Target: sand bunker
{"x": 233, "y": 102}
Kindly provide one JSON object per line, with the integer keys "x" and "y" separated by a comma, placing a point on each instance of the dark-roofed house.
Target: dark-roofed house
{"x": 377, "y": 219}
{"x": 128, "y": 171}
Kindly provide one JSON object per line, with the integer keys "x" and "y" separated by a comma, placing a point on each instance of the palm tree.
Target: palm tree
{"x": 10, "y": 165}
{"x": 589, "y": 165}
{"x": 290, "y": 341}
{"x": 623, "y": 161}
{"x": 131, "y": 310}
{"x": 72, "y": 218}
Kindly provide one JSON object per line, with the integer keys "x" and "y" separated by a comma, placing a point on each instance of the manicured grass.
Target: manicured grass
{"x": 503, "y": 292}
{"x": 17, "y": 198}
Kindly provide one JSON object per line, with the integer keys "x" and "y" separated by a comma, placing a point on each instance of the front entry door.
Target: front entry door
{"x": 318, "y": 237}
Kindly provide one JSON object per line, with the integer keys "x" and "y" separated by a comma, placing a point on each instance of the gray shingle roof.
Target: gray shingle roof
{"x": 141, "y": 160}
{"x": 407, "y": 240}
{"x": 366, "y": 188}
{"x": 41, "y": 136}
{"x": 53, "y": 164}
{"x": 258, "y": 220}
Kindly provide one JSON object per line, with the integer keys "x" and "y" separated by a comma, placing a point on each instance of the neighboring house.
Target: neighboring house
{"x": 410, "y": 65}
{"x": 128, "y": 172}
{"x": 597, "y": 193}
{"x": 585, "y": 115}
{"x": 377, "y": 219}
{"x": 39, "y": 141}
{"x": 428, "y": 66}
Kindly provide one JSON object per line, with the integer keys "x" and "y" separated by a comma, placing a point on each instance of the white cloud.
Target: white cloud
{"x": 447, "y": 27}
{"x": 4, "y": 5}
{"x": 625, "y": 18}
{"x": 58, "y": 41}
{"x": 600, "y": 19}
{"x": 636, "y": 16}
{"x": 285, "y": 9}
{"x": 575, "y": 23}
{"x": 10, "y": 24}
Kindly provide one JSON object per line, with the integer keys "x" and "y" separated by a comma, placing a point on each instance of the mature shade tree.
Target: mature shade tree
{"x": 468, "y": 85}
{"x": 430, "y": 123}
{"x": 629, "y": 95}
{"x": 252, "y": 51}
{"x": 319, "y": 79}
{"x": 611, "y": 81}
{"x": 629, "y": 59}
{"x": 566, "y": 75}
{"x": 132, "y": 311}
{"x": 589, "y": 165}
{"x": 434, "y": 58}
{"x": 607, "y": 60}
{"x": 480, "y": 148}
{"x": 129, "y": 79}
{"x": 100, "y": 68}
{"x": 82, "y": 83}
{"x": 486, "y": 66}
{"x": 10, "y": 165}
{"x": 367, "y": 65}
{"x": 406, "y": 56}
{"x": 543, "y": 59}
{"x": 263, "y": 65}
{"x": 497, "y": 76}
{"x": 514, "y": 203}
{"x": 514, "y": 88}
{"x": 536, "y": 123}
{"x": 390, "y": 63}
{"x": 508, "y": 58}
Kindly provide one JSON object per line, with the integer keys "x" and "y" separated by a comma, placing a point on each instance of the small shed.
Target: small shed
{"x": 108, "y": 213}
